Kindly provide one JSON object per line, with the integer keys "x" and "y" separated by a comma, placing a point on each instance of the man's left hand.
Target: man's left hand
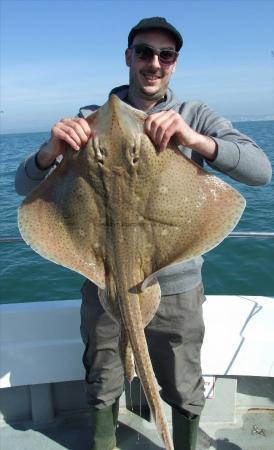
{"x": 162, "y": 126}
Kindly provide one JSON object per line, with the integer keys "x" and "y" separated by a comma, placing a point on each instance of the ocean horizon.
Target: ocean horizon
{"x": 234, "y": 119}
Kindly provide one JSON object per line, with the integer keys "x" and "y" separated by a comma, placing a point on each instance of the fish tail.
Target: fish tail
{"x": 132, "y": 319}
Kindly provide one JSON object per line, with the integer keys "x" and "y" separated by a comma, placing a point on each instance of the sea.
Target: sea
{"x": 238, "y": 266}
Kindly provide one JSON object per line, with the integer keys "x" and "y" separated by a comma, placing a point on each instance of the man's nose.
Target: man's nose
{"x": 154, "y": 61}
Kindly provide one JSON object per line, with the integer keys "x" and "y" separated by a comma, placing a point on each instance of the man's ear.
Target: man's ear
{"x": 128, "y": 54}
{"x": 174, "y": 68}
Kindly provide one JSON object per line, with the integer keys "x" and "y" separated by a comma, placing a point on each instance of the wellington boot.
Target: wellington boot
{"x": 103, "y": 427}
{"x": 185, "y": 431}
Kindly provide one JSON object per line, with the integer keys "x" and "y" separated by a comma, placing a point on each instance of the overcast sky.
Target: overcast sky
{"x": 59, "y": 55}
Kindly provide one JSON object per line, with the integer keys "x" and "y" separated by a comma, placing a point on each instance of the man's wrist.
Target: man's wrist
{"x": 206, "y": 146}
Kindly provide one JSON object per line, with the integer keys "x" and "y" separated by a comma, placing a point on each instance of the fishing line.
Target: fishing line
{"x": 130, "y": 396}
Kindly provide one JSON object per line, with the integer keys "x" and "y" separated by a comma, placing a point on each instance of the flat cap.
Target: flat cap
{"x": 153, "y": 23}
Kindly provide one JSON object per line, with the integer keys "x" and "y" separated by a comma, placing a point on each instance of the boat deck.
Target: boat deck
{"x": 253, "y": 430}
{"x": 43, "y": 398}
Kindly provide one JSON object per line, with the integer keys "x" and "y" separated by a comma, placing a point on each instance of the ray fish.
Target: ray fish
{"x": 117, "y": 212}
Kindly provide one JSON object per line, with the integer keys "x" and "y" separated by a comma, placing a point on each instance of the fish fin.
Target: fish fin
{"x": 190, "y": 211}
{"x": 52, "y": 221}
{"x": 109, "y": 305}
{"x": 149, "y": 300}
{"x": 127, "y": 355}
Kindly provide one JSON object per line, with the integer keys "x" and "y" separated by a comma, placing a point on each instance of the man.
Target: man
{"x": 176, "y": 332}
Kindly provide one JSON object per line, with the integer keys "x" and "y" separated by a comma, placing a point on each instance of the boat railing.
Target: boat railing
{"x": 233, "y": 234}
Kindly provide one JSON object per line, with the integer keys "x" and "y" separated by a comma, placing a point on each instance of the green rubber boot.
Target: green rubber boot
{"x": 103, "y": 427}
{"x": 185, "y": 431}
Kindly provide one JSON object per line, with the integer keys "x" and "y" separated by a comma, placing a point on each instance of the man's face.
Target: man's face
{"x": 150, "y": 78}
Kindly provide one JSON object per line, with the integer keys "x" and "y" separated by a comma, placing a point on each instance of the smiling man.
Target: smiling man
{"x": 151, "y": 59}
{"x": 175, "y": 334}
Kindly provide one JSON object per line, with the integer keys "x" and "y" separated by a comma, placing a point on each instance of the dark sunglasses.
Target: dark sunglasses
{"x": 145, "y": 52}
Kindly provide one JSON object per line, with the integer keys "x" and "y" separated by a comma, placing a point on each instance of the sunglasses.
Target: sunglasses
{"x": 146, "y": 53}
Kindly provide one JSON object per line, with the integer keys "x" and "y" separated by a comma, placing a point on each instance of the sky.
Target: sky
{"x": 59, "y": 55}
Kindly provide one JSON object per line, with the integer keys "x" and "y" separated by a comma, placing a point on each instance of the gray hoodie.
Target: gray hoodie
{"x": 237, "y": 156}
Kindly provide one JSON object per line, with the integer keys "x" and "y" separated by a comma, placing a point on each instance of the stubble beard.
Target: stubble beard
{"x": 141, "y": 91}
{"x": 155, "y": 96}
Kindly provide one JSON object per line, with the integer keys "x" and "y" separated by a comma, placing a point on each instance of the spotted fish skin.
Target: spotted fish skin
{"x": 118, "y": 212}
{"x": 125, "y": 231}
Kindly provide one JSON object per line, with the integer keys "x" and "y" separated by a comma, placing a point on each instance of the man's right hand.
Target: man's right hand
{"x": 75, "y": 132}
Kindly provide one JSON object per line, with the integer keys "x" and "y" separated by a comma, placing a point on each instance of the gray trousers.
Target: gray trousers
{"x": 174, "y": 338}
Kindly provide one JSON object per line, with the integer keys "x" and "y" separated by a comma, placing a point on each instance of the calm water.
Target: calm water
{"x": 237, "y": 266}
